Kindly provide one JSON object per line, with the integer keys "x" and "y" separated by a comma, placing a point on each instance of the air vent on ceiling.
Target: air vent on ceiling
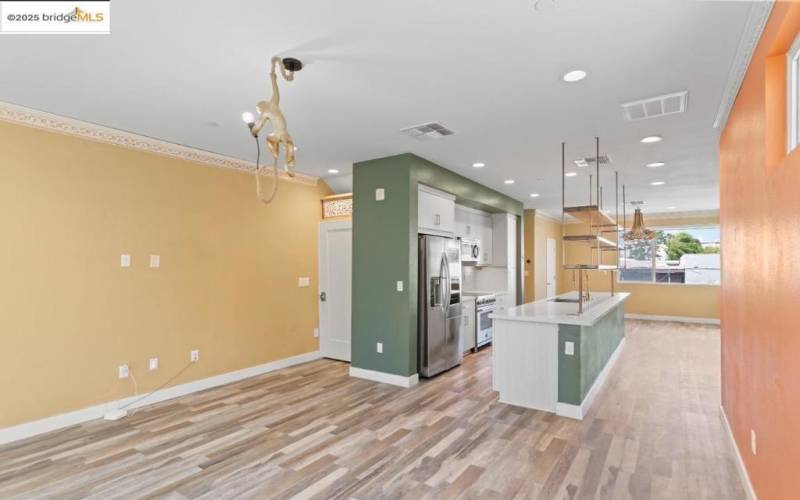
{"x": 654, "y": 107}
{"x": 585, "y": 162}
{"x": 425, "y": 131}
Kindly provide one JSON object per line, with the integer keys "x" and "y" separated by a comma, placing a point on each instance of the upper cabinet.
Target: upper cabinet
{"x": 504, "y": 237}
{"x": 436, "y": 212}
{"x": 473, "y": 224}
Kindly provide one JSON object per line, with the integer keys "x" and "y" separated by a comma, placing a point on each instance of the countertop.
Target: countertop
{"x": 545, "y": 311}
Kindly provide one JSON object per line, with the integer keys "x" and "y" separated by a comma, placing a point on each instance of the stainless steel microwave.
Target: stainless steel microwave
{"x": 470, "y": 251}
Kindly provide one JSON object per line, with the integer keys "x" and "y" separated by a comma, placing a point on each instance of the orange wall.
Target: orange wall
{"x": 760, "y": 217}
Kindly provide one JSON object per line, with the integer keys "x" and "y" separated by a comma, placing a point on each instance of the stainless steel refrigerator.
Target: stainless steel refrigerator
{"x": 439, "y": 311}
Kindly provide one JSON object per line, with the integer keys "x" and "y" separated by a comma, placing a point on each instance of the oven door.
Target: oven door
{"x": 483, "y": 325}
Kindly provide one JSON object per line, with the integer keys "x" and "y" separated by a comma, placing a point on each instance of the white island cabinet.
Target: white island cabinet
{"x": 547, "y": 357}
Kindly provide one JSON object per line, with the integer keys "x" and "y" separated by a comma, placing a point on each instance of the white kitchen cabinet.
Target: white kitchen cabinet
{"x": 467, "y": 323}
{"x": 473, "y": 224}
{"x": 464, "y": 226}
{"x": 435, "y": 212}
{"x": 485, "y": 224}
{"x": 504, "y": 300}
{"x": 504, "y": 240}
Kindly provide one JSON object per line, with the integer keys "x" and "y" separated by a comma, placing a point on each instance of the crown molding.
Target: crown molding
{"x": 753, "y": 28}
{"x": 28, "y": 117}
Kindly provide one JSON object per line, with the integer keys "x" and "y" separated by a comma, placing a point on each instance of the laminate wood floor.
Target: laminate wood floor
{"x": 311, "y": 431}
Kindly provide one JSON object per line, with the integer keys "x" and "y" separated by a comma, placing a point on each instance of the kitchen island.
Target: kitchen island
{"x": 547, "y": 357}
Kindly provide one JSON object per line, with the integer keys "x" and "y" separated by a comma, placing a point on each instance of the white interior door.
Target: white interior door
{"x": 550, "y": 269}
{"x": 335, "y": 292}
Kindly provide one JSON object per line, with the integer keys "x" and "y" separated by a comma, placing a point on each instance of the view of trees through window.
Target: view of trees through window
{"x": 675, "y": 255}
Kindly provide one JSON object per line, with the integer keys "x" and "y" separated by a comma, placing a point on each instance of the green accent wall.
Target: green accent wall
{"x": 385, "y": 251}
{"x": 594, "y": 345}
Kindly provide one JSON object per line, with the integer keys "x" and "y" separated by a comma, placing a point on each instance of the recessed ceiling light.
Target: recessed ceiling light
{"x": 651, "y": 139}
{"x": 509, "y": 181}
{"x": 657, "y": 183}
{"x": 333, "y": 171}
{"x": 478, "y": 164}
{"x": 575, "y": 75}
{"x": 671, "y": 208}
{"x": 655, "y": 164}
{"x": 570, "y": 174}
{"x": 534, "y": 195}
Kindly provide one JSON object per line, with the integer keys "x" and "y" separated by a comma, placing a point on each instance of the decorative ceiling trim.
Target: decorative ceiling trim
{"x": 753, "y": 28}
{"x": 68, "y": 126}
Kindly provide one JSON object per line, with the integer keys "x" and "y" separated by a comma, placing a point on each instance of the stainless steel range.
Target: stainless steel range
{"x": 484, "y": 306}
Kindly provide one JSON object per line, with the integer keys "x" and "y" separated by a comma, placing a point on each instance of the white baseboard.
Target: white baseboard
{"x": 748, "y": 486}
{"x": 29, "y": 429}
{"x": 385, "y": 378}
{"x": 678, "y": 319}
{"x": 580, "y": 411}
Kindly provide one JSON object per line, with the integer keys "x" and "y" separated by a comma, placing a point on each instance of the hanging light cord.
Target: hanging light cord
{"x": 258, "y": 175}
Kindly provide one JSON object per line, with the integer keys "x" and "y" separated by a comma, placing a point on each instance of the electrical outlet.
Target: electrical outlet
{"x": 569, "y": 348}
{"x": 380, "y": 194}
{"x": 194, "y": 356}
{"x": 753, "y": 446}
{"x": 155, "y": 261}
{"x": 153, "y": 364}
{"x": 379, "y": 347}
{"x": 316, "y": 332}
{"x": 124, "y": 371}
{"x": 304, "y": 282}
{"x": 399, "y": 286}
{"x": 125, "y": 260}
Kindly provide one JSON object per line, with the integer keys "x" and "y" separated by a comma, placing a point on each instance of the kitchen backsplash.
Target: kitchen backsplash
{"x": 485, "y": 278}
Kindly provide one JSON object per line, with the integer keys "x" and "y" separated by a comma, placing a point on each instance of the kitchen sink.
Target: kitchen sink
{"x": 564, "y": 299}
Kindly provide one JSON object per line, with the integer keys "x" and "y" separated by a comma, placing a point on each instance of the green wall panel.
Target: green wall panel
{"x": 385, "y": 251}
{"x": 594, "y": 345}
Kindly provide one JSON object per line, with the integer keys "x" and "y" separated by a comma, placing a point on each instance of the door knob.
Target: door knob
{"x": 323, "y": 296}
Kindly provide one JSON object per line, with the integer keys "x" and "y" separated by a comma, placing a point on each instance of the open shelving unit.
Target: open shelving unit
{"x": 602, "y": 231}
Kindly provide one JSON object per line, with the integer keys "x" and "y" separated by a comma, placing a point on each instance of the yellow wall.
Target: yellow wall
{"x": 69, "y": 315}
{"x": 695, "y": 301}
{"x": 545, "y": 228}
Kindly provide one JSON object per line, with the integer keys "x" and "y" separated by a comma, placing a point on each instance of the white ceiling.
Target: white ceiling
{"x": 489, "y": 70}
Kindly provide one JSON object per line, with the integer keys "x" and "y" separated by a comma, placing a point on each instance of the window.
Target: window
{"x": 793, "y": 94}
{"x": 676, "y": 255}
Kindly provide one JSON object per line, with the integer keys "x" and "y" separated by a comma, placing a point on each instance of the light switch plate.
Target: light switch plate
{"x": 380, "y": 194}
{"x": 153, "y": 364}
{"x": 569, "y": 348}
{"x": 316, "y": 332}
{"x": 155, "y": 261}
{"x": 125, "y": 260}
{"x": 194, "y": 356}
{"x": 123, "y": 371}
{"x": 304, "y": 282}
{"x": 399, "y": 286}
{"x": 379, "y": 347}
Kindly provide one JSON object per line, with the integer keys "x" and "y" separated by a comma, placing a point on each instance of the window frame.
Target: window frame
{"x": 654, "y": 257}
{"x": 793, "y": 95}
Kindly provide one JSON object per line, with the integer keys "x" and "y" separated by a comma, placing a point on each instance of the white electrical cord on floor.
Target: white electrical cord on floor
{"x": 136, "y": 387}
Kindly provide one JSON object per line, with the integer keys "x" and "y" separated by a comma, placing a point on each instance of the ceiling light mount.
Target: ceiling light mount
{"x": 650, "y": 139}
{"x": 292, "y": 64}
{"x": 574, "y": 75}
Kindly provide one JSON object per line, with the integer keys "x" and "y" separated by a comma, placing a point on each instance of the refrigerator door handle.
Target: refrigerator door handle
{"x": 445, "y": 287}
